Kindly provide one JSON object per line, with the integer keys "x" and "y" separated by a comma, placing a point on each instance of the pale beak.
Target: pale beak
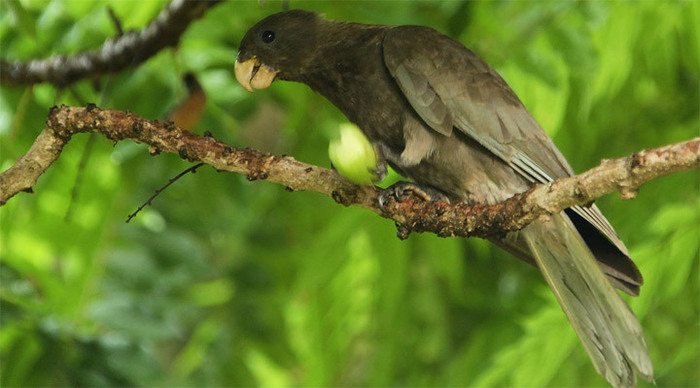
{"x": 252, "y": 74}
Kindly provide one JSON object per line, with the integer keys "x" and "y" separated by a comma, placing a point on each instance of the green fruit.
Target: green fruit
{"x": 353, "y": 156}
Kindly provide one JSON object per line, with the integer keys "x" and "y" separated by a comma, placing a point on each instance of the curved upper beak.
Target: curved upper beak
{"x": 253, "y": 74}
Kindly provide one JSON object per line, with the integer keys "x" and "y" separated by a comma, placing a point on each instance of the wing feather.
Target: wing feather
{"x": 425, "y": 101}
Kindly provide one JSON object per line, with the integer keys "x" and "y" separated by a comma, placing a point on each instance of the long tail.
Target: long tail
{"x": 606, "y": 326}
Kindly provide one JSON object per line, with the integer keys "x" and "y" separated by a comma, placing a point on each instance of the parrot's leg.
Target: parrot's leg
{"x": 380, "y": 170}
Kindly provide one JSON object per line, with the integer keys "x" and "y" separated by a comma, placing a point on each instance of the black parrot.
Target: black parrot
{"x": 442, "y": 117}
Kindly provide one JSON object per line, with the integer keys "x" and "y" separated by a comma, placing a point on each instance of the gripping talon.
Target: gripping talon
{"x": 400, "y": 190}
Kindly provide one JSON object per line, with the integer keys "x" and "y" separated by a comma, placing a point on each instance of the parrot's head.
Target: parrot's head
{"x": 279, "y": 46}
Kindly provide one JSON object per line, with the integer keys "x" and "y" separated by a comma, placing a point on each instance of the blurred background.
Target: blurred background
{"x": 225, "y": 282}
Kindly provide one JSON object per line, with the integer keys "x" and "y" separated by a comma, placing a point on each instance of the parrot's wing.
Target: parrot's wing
{"x": 440, "y": 75}
{"x": 608, "y": 329}
{"x": 450, "y": 87}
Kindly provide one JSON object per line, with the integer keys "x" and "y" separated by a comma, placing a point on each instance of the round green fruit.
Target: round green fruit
{"x": 353, "y": 156}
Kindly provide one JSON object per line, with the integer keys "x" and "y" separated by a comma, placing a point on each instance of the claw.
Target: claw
{"x": 399, "y": 190}
{"x": 381, "y": 202}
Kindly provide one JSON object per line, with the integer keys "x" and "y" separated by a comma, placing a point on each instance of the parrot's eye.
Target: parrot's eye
{"x": 267, "y": 36}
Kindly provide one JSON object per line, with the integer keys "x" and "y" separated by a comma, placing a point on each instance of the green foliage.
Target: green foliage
{"x": 225, "y": 282}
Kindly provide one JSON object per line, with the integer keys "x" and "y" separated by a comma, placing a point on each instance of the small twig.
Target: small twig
{"x": 115, "y": 20}
{"x": 21, "y": 111}
{"x": 84, "y": 157}
{"x": 172, "y": 180}
{"x": 75, "y": 93}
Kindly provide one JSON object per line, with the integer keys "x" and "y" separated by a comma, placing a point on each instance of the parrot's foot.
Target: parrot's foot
{"x": 399, "y": 190}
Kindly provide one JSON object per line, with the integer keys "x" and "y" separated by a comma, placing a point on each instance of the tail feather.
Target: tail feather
{"x": 606, "y": 326}
{"x": 612, "y": 255}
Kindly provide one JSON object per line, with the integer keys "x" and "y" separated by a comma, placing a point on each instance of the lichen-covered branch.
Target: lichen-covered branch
{"x": 625, "y": 175}
{"x": 129, "y": 49}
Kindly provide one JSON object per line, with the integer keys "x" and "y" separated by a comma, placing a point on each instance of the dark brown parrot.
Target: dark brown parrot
{"x": 442, "y": 117}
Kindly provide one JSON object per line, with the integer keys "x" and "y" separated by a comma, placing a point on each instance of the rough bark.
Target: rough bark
{"x": 624, "y": 175}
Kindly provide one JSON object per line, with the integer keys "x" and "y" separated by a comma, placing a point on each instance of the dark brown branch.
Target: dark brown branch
{"x": 625, "y": 175}
{"x": 116, "y": 54}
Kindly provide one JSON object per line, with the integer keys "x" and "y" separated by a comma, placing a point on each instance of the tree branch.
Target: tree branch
{"x": 625, "y": 175}
{"x": 126, "y": 50}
